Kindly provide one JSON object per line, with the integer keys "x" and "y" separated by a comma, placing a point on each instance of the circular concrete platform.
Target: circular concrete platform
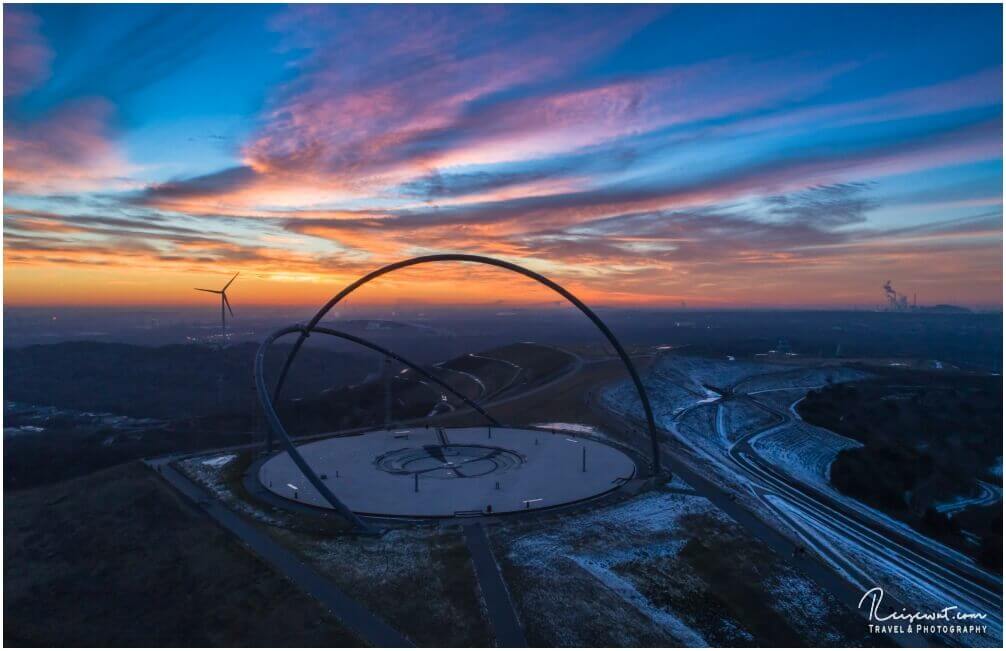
{"x": 451, "y": 472}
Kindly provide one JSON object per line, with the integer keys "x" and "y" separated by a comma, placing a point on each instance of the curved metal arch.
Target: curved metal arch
{"x": 493, "y": 262}
{"x": 366, "y": 343}
{"x": 276, "y": 425}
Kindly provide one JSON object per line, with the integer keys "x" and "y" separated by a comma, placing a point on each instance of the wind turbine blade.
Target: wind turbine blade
{"x": 228, "y": 304}
{"x": 229, "y": 282}
{"x": 211, "y": 291}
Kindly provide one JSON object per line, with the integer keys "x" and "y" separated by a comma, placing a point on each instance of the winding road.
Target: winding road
{"x": 820, "y": 520}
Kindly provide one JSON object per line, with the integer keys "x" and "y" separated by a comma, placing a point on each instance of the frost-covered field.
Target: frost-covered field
{"x": 678, "y": 381}
{"x": 419, "y": 579}
{"x": 575, "y": 428}
{"x": 884, "y": 571}
{"x": 214, "y": 472}
{"x": 779, "y": 399}
{"x": 700, "y": 426}
{"x": 805, "y": 451}
{"x": 622, "y": 398}
{"x": 709, "y": 427}
{"x": 675, "y": 382}
{"x": 666, "y": 568}
{"x": 711, "y": 435}
{"x": 716, "y": 372}
{"x": 742, "y": 417}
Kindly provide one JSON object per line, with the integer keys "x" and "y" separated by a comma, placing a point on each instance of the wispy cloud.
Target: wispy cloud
{"x": 26, "y": 54}
{"x": 584, "y": 141}
{"x": 69, "y": 149}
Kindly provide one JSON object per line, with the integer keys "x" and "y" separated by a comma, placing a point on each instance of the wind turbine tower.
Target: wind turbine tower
{"x": 224, "y": 303}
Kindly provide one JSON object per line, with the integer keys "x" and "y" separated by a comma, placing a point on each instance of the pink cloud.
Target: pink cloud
{"x": 566, "y": 120}
{"x": 493, "y": 219}
{"x": 336, "y": 134}
{"x": 425, "y": 73}
{"x": 26, "y": 54}
{"x": 69, "y": 149}
{"x": 976, "y": 90}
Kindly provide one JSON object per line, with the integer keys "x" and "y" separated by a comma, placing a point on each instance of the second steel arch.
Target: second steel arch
{"x": 502, "y": 264}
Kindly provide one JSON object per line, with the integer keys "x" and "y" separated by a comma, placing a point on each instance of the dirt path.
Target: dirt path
{"x": 355, "y": 617}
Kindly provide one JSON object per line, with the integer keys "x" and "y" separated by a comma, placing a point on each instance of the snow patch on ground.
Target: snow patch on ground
{"x": 210, "y": 476}
{"x": 816, "y": 537}
{"x": 394, "y": 553}
{"x": 810, "y": 466}
{"x": 624, "y": 589}
{"x": 988, "y": 494}
{"x": 677, "y": 483}
{"x": 717, "y": 372}
{"x": 220, "y": 462}
{"x": 23, "y": 429}
{"x": 792, "y": 588}
{"x": 742, "y": 417}
{"x": 803, "y": 452}
{"x": 579, "y": 428}
{"x": 869, "y": 568}
{"x": 622, "y": 399}
{"x": 732, "y": 629}
{"x": 600, "y": 541}
{"x": 794, "y": 593}
{"x": 675, "y": 382}
{"x": 796, "y": 449}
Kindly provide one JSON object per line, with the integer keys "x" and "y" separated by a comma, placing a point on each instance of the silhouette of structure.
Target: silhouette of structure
{"x": 223, "y": 303}
{"x": 269, "y": 401}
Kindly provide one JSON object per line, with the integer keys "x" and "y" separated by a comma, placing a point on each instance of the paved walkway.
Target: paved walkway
{"x": 353, "y": 615}
{"x": 415, "y": 471}
{"x": 501, "y": 612}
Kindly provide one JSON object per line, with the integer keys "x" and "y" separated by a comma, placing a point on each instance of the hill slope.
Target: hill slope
{"x": 116, "y": 559}
{"x": 160, "y": 382}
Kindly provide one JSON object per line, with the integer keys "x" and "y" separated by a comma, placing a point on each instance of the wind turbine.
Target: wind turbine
{"x": 223, "y": 303}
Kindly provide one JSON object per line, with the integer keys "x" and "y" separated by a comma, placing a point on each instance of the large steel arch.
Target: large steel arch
{"x": 260, "y": 372}
{"x": 276, "y": 425}
{"x": 493, "y": 262}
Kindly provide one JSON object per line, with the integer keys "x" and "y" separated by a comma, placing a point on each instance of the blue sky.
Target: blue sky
{"x": 722, "y": 155}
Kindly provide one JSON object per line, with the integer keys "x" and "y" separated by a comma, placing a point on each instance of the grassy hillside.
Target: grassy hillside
{"x": 180, "y": 381}
{"x": 117, "y": 559}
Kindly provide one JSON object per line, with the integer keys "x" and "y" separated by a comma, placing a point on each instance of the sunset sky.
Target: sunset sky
{"x": 719, "y": 155}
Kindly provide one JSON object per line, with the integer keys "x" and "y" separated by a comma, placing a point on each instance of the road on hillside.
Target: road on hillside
{"x": 819, "y": 519}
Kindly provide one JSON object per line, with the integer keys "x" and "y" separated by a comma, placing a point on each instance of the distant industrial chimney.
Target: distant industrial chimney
{"x": 895, "y": 302}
